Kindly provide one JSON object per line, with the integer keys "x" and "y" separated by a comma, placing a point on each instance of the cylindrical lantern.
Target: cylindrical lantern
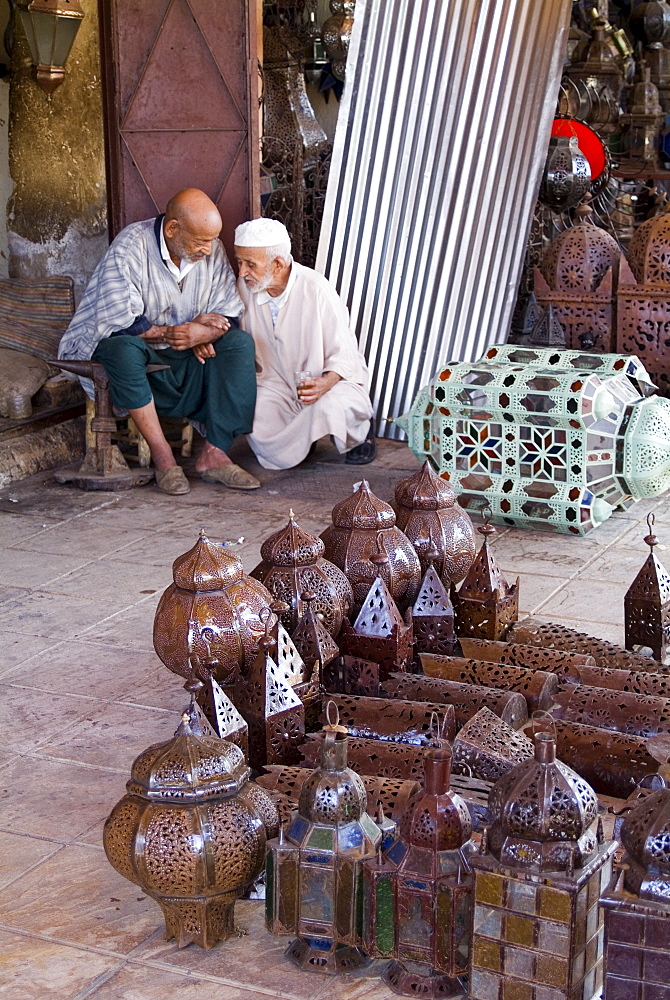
{"x": 365, "y": 527}
{"x": 210, "y": 615}
{"x": 437, "y": 526}
{"x": 313, "y": 884}
{"x": 567, "y": 174}
{"x": 292, "y": 564}
{"x": 190, "y": 832}
{"x": 418, "y": 893}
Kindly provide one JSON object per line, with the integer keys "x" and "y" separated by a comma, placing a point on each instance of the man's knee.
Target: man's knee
{"x": 237, "y": 342}
{"x": 121, "y": 350}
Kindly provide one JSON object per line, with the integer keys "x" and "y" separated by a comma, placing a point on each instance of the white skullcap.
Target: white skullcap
{"x": 261, "y": 233}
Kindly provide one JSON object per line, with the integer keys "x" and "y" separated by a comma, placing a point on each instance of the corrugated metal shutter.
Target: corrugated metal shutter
{"x": 439, "y": 148}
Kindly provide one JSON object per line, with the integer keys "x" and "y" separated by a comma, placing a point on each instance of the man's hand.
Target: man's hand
{"x": 204, "y": 351}
{"x": 185, "y": 335}
{"x": 314, "y": 388}
{"x": 155, "y": 335}
{"x": 215, "y": 320}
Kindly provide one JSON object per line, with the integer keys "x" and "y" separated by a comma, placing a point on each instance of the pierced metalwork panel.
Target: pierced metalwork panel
{"x": 465, "y": 698}
{"x": 394, "y": 719}
{"x": 635, "y": 714}
{"x": 537, "y": 686}
{"x": 633, "y": 681}
{"x": 556, "y": 661}
{"x": 392, "y": 794}
{"x": 611, "y": 762}
{"x": 488, "y": 748}
{"x": 532, "y": 632}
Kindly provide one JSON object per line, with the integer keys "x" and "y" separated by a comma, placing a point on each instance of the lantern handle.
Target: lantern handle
{"x": 536, "y": 717}
{"x": 330, "y": 708}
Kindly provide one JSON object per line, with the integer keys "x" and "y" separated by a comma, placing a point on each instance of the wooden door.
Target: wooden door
{"x": 181, "y": 106}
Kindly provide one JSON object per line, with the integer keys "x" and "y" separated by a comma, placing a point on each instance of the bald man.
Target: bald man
{"x": 164, "y": 293}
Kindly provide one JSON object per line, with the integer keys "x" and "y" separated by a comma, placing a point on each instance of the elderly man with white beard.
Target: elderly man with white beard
{"x": 299, "y": 325}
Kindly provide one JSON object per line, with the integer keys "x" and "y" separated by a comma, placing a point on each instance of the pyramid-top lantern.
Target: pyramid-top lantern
{"x": 291, "y": 563}
{"x": 647, "y": 603}
{"x": 649, "y": 251}
{"x": 362, "y": 526}
{"x": 433, "y": 617}
{"x": 486, "y": 604}
{"x": 210, "y": 615}
{"x": 428, "y": 512}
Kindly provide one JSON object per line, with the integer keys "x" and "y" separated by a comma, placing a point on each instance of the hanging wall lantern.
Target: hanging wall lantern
{"x": 51, "y": 27}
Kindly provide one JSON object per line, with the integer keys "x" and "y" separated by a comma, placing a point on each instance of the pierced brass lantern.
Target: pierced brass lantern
{"x": 190, "y": 832}
{"x": 313, "y": 882}
{"x": 647, "y": 604}
{"x": 429, "y": 514}
{"x": 364, "y": 526}
{"x": 417, "y": 902}
{"x": 486, "y": 604}
{"x": 292, "y": 563}
{"x": 51, "y": 27}
{"x": 210, "y": 615}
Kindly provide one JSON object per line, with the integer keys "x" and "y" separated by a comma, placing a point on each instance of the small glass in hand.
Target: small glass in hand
{"x": 301, "y": 379}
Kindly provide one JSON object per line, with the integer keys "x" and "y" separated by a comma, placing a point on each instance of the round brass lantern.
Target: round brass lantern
{"x": 567, "y": 174}
{"x": 210, "y": 614}
{"x": 293, "y": 564}
{"x": 365, "y": 527}
{"x": 437, "y": 526}
{"x": 190, "y": 832}
{"x": 543, "y": 814}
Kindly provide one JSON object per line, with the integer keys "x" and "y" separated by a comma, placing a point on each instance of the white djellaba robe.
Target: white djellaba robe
{"x": 311, "y": 333}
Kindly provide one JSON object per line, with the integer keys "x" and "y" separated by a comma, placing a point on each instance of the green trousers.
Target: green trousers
{"x": 221, "y": 394}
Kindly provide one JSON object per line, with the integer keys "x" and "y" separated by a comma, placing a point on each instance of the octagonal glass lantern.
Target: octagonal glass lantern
{"x": 51, "y": 27}
{"x": 314, "y": 874}
{"x": 417, "y": 907}
{"x": 547, "y": 438}
{"x": 537, "y": 929}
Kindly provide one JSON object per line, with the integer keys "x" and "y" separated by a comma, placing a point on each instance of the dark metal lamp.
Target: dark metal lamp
{"x": 51, "y": 27}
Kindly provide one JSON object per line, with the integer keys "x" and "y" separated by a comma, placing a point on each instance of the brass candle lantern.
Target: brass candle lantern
{"x": 363, "y": 526}
{"x": 272, "y": 709}
{"x": 647, "y": 603}
{"x": 313, "y": 881}
{"x": 417, "y": 894}
{"x": 643, "y": 123}
{"x": 433, "y": 616}
{"x": 637, "y": 910}
{"x": 292, "y": 562}
{"x": 317, "y": 650}
{"x": 190, "y": 833}
{"x": 537, "y": 931}
{"x": 486, "y": 604}
{"x": 379, "y": 634}
{"x": 210, "y": 615}
{"x": 429, "y": 514}
{"x": 51, "y": 27}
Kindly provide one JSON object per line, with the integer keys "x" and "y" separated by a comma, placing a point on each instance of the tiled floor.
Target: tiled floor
{"x": 83, "y": 693}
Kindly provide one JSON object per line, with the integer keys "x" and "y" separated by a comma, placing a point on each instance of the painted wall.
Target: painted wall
{"x": 57, "y": 213}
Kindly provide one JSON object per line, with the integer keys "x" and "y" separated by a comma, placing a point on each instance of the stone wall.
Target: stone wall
{"x": 57, "y": 214}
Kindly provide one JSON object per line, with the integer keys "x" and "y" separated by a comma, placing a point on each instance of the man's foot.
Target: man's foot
{"x": 232, "y": 476}
{"x": 363, "y": 453}
{"x": 172, "y": 481}
{"x": 211, "y": 457}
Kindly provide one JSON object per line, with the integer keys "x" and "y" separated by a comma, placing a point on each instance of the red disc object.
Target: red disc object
{"x": 588, "y": 141}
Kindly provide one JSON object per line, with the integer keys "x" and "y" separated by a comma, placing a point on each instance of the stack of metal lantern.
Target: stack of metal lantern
{"x": 537, "y": 932}
{"x": 637, "y": 906}
{"x": 313, "y": 882}
{"x": 418, "y": 891}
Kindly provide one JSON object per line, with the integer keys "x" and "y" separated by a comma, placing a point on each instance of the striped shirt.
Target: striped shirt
{"x": 131, "y": 290}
